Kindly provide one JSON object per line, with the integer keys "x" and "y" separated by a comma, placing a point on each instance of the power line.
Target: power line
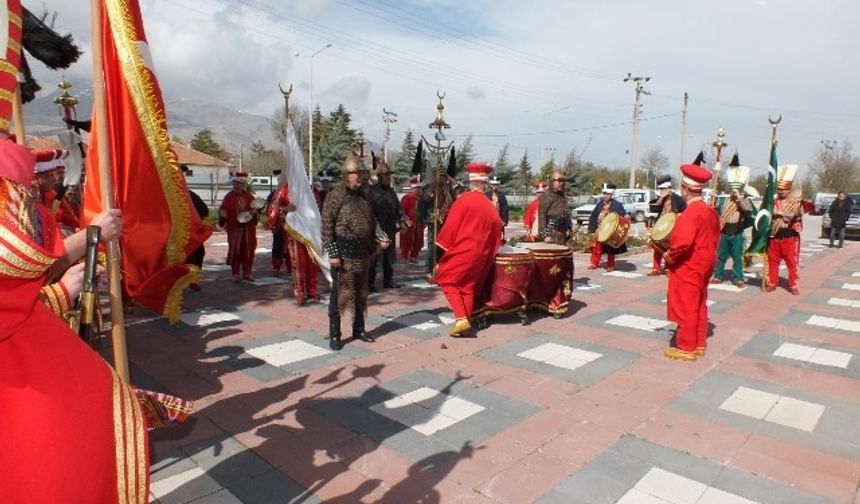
{"x": 572, "y": 130}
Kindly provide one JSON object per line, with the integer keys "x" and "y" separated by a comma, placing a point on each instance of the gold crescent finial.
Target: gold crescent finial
{"x": 441, "y": 96}
{"x": 774, "y": 123}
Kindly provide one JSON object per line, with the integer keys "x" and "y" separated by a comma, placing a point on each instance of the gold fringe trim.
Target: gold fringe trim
{"x": 153, "y": 121}
{"x": 312, "y": 252}
{"x": 173, "y": 303}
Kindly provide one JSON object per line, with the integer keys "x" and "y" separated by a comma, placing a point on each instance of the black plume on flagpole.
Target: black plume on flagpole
{"x": 452, "y": 164}
{"x": 46, "y": 45}
{"x": 418, "y": 163}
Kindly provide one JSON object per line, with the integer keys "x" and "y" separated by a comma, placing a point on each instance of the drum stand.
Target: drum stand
{"x": 483, "y": 321}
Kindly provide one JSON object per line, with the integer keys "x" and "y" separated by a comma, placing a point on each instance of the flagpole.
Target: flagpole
{"x": 18, "y": 116}
{"x": 120, "y": 353}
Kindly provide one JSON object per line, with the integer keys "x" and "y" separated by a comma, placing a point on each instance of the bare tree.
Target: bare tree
{"x": 653, "y": 164}
{"x": 836, "y": 168}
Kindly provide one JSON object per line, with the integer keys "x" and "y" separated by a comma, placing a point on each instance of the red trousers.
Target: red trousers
{"x": 658, "y": 261}
{"x": 304, "y": 270}
{"x": 597, "y": 251}
{"x": 461, "y": 300}
{"x": 779, "y": 249}
{"x": 688, "y": 307}
{"x": 411, "y": 241}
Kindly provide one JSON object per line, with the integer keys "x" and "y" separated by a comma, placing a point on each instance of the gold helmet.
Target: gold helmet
{"x": 353, "y": 164}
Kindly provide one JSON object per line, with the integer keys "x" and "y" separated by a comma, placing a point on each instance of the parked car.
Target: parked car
{"x": 822, "y": 202}
{"x": 583, "y": 212}
{"x": 852, "y": 228}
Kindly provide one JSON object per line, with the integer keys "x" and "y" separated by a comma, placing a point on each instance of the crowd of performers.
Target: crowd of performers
{"x": 465, "y": 223}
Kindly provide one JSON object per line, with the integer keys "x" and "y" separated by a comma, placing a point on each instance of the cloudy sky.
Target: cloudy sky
{"x": 543, "y": 76}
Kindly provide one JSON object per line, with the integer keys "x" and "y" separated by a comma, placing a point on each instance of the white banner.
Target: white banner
{"x": 305, "y": 223}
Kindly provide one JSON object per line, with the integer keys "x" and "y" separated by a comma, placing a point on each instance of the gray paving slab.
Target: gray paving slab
{"x": 834, "y": 433}
{"x": 609, "y": 476}
{"x": 718, "y": 305}
{"x": 611, "y": 359}
{"x": 798, "y": 318}
{"x": 272, "y": 486}
{"x": 599, "y": 320}
{"x": 238, "y": 358}
{"x": 765, "y": 344}
{"x": 499, "y": 413}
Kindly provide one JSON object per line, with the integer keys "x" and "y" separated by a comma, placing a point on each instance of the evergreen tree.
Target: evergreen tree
{"x": 258, "y": 149}
{"x": 576, "y": 177}
{"x": 404, "y": 160}
{"x": 545, "y": 172}
{"x": 524, "y": 172}
{"x": 204, "y": 142}
{"x": 503, "y": 169}
{"x": 464, "y": 155}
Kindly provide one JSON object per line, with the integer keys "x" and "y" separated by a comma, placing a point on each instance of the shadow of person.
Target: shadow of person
{"x": 424, "y": 475}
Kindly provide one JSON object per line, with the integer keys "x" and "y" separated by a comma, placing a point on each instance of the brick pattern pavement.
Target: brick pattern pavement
{"x": 576, "y": 410}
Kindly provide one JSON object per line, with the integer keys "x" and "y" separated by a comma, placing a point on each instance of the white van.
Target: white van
{"x": 635, "y": 201}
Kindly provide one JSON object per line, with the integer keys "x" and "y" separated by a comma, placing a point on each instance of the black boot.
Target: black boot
{"x": 358, "y": 328}
{"x": 334, "y": 332}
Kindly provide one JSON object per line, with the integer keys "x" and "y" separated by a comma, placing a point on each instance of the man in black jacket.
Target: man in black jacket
{"x": 840, "y": 211}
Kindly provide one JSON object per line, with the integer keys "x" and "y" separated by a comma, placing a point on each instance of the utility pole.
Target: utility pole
{"x": 241, "y": 155}
{"x": 639, "y": 91}
{"x": 389, "y": 118}
{"x": 684, "y": 131}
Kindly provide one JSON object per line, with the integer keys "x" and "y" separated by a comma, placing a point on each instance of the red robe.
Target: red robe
{"x": 304, "y": 270}
{"x": 470, "y": 237}
{"x": 275, "y": 222}
{"x": 241, "y": 238}
{"x": 530, "y": 217}
{"x": 691, "y": 259}
{"x": 411, "y": 238}
{"x": 69, "y": 430}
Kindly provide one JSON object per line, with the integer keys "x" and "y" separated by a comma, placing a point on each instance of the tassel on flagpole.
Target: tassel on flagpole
{"x": 120, "y": 352}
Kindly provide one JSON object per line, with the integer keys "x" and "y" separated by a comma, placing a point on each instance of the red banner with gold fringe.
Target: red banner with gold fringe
{"x": 160, "y": 225}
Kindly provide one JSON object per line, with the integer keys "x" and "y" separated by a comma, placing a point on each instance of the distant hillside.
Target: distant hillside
{"x": 184, "y": 119}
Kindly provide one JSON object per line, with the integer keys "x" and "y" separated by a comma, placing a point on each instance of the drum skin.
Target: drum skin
{"x": 613, "y": 230}
{"x": 661, "y": 232}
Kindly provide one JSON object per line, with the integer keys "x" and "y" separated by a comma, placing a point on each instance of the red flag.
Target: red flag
{"x": 160, "y": 225}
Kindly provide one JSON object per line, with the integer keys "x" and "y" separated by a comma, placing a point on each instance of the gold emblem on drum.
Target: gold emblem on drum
{"x": 555, "y": 270}
{"x": 566, "y": 288}
{"x": 509, "y": 269}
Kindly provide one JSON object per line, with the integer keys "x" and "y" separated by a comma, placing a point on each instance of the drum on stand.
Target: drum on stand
{"x": 258, "y": 203}
{"x": 661, "y": 232}
{"x": 613, "y": 230}
{"x": 552, "y": 281}
{"x": 507, "y": 285}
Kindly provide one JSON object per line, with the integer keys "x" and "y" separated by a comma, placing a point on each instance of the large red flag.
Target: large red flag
{"x": 160, "y": 225}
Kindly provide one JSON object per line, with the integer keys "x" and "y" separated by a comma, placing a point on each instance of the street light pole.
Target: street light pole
{"x": 388, "y": 117}
{"x": 311, "y": 115}
{"x": 638, "y": 92}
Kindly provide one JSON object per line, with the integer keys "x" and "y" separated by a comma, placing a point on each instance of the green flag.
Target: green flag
{"x": 762, "y": 219}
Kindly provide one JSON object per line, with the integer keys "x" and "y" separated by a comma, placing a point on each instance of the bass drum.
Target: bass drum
{"x": 552, "y": 281}
{"x": 613, "y": 230}
{"x": 661, "y": 232}
{"x": 507, "y": 285}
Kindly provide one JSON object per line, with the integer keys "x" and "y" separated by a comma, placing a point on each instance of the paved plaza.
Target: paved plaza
{"x": 580, "y": 409}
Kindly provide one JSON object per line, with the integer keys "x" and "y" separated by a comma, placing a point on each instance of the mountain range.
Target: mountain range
{"x": 184, "y": 119}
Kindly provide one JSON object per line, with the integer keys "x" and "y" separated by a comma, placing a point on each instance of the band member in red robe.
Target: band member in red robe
{"x": 241, "y": 236}
{"x": 470, "y": 237}
{"x": 601, "y": 210}
{"x": 530, "y": 217}
{"x": 277, "y": 209}
{"x": 787, "y": 223}
{"x": 71, "y": 431}
{"x": 304, "y": 270}
{"x": 411, "y": 238}
{"x": 690, "y": 259}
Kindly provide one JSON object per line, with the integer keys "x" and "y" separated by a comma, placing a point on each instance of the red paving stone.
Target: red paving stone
{"x": 572, "y": 426}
